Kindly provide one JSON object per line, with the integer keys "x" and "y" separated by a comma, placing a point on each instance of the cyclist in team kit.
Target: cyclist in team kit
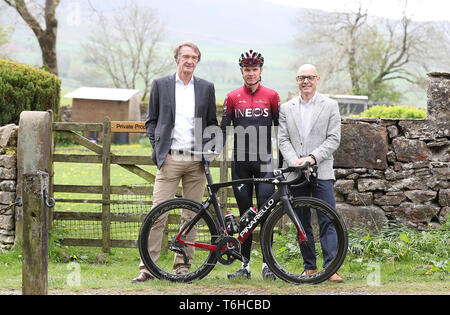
{"x": 252, "y": 109}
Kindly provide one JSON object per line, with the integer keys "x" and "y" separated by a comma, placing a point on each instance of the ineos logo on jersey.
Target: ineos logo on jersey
{"x": 251, "y": 112}
{"x": 261, "y": 101}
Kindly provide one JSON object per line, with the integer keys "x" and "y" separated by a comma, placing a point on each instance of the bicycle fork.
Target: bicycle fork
{"x": 292, "y": 215}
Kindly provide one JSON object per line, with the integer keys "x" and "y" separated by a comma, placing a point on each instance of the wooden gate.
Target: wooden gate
{"x": 102, "y": 154}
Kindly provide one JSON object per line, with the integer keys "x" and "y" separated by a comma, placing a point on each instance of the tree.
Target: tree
{"x": 46, "y": 37}
{"x": 364, "y": 55}
{"x": 5, "y": 34}
{"x": 127, "y": 47}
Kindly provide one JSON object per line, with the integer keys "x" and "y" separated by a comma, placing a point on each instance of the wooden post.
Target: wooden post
{"x": 35, "y": 234}
{"x": 34, "y": 151}
{"x": 106, "y": 183}
{"x": 51, "y": 172}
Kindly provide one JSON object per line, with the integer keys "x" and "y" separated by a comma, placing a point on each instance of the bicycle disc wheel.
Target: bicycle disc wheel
{"x": 287, "y": 259}
{"x": 161, "y": 226}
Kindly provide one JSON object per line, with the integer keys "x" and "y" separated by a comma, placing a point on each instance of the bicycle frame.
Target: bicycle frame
{"x": 281, "y": 194}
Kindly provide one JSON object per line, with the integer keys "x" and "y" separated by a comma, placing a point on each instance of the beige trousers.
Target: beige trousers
{"x": 192, "y": 176}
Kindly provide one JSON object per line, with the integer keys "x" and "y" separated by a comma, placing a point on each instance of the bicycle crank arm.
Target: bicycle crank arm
{"x": 294, "y": 218}
{"x": 181, "y": 252}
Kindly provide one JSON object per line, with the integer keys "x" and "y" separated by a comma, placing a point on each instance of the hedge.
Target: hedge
{"x": 23, "y": 87}
{"x": 398, "y": 111}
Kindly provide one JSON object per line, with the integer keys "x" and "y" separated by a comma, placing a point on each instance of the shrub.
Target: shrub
{"x": 398, "y": 243}
{"x": 23, "y": 87}
{"x": 399, "y": 111}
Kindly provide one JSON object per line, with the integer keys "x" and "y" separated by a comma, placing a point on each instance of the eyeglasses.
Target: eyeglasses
{"x": 302, "y": 78}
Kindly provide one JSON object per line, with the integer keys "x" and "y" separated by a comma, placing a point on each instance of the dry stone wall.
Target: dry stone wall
{"x": 8, "y": 176}
{"x": 397, "y": 169}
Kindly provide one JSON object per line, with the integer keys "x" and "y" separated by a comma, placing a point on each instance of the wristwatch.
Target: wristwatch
{"x": 315, "y": 161}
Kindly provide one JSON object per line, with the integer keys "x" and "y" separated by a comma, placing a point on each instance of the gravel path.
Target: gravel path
{"x": 228, "y": 291}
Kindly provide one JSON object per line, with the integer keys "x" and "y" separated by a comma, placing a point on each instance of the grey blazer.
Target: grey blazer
{"x": 160, "y": 119}
{"x": 324, "y": 136}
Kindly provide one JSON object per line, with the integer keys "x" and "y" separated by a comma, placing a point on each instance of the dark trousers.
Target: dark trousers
{"x": 327, "y": 234}
{"x": 244, "y": 193}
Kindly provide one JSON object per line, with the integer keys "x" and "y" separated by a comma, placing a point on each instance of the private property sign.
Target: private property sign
{"x": 128, "y": 126}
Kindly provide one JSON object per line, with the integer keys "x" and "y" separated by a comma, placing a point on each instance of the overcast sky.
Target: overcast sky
{"x": 418, "y": 10}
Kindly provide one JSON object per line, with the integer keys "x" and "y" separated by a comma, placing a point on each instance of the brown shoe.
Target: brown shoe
{"x": 143, "y": 276}
{"x": 309, "y": 272}
{"x": 336, "y": 278}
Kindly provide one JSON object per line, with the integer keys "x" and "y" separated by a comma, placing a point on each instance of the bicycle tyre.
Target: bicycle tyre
{"x": 203, "y": 263}
{"x": 287, "y": 266}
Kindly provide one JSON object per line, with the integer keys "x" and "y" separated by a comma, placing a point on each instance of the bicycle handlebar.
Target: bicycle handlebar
{"x": 304, "y": 169}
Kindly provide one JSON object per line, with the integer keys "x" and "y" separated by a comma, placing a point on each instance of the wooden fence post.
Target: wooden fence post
{"x": 34, "y": 151}
{"x": 106, "y": 182}
{"x": 35, "y": 234}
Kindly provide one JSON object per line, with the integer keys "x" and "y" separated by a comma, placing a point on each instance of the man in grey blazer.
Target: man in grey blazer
{"x": 181, "y": 106}
{"x": 310, "y": 130}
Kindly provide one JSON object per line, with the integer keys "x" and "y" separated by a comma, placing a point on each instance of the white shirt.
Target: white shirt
{"x": 183, "y": 137}
{"x": 306, "y": 111}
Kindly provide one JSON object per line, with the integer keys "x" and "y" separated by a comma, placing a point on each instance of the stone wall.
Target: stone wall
{"x": 397, "y": 169}
{"x": 8, "y": 175}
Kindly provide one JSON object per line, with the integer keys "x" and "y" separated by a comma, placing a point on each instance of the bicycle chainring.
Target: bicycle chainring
{"x": 228, "y": 250}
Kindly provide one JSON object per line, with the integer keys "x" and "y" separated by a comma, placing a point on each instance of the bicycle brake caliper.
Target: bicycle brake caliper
{"x": 301, "y": 237}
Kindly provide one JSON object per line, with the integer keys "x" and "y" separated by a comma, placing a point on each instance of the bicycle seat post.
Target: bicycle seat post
{"x": 209, "y": 178}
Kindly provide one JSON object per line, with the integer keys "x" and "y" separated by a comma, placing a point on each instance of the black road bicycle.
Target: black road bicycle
{"x": 200, "y": 239}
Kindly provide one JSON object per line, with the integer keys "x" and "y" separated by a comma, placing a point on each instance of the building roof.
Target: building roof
{"x": 93, "y": 93}
{"x": 354, "y": 97}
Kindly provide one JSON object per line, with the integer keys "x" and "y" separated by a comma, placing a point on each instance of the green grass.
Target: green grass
{"x": 396, "y": 259}
{"x": 75, "y": 271}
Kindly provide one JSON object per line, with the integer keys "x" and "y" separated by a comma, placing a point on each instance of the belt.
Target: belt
{"x": 179, "y": 152}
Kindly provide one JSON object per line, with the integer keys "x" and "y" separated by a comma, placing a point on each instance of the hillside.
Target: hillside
{"x": 221, "y": 29}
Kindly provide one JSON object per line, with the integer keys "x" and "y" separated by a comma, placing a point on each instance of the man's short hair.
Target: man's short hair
{"x": 177, "y": 49}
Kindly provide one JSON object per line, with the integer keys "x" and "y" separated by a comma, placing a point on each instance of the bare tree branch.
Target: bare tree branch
{"x": 127, "y": 47}
{"x": 46, "y": 37}
{"x": 365, "y": 55}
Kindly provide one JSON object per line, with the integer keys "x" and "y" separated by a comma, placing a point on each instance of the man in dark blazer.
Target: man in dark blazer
{"x": 181, "y": 107}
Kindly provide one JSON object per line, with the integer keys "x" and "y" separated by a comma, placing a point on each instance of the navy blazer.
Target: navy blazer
{"x": 160, "y": 120}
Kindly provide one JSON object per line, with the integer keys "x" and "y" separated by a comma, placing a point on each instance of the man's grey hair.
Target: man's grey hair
{"x": 176, "y": 51}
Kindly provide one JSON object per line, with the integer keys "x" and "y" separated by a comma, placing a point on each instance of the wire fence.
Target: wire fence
{"x": 127, "y": 212}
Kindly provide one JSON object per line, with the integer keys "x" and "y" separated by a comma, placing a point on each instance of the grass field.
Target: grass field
{"x": 397, "y": 260}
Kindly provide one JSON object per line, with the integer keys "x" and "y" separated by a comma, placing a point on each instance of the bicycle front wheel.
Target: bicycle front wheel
{"x": 160, "y": 228}
{"x": 324, "y": 251}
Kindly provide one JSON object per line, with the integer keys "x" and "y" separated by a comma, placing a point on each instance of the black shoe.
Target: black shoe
{"x": 267, "y": 274}
{"x": 241, "y": 273}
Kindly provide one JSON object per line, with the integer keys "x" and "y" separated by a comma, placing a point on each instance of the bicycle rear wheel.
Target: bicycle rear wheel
{"x": 287, "y": 259}
{"x": 161, "y": 226}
